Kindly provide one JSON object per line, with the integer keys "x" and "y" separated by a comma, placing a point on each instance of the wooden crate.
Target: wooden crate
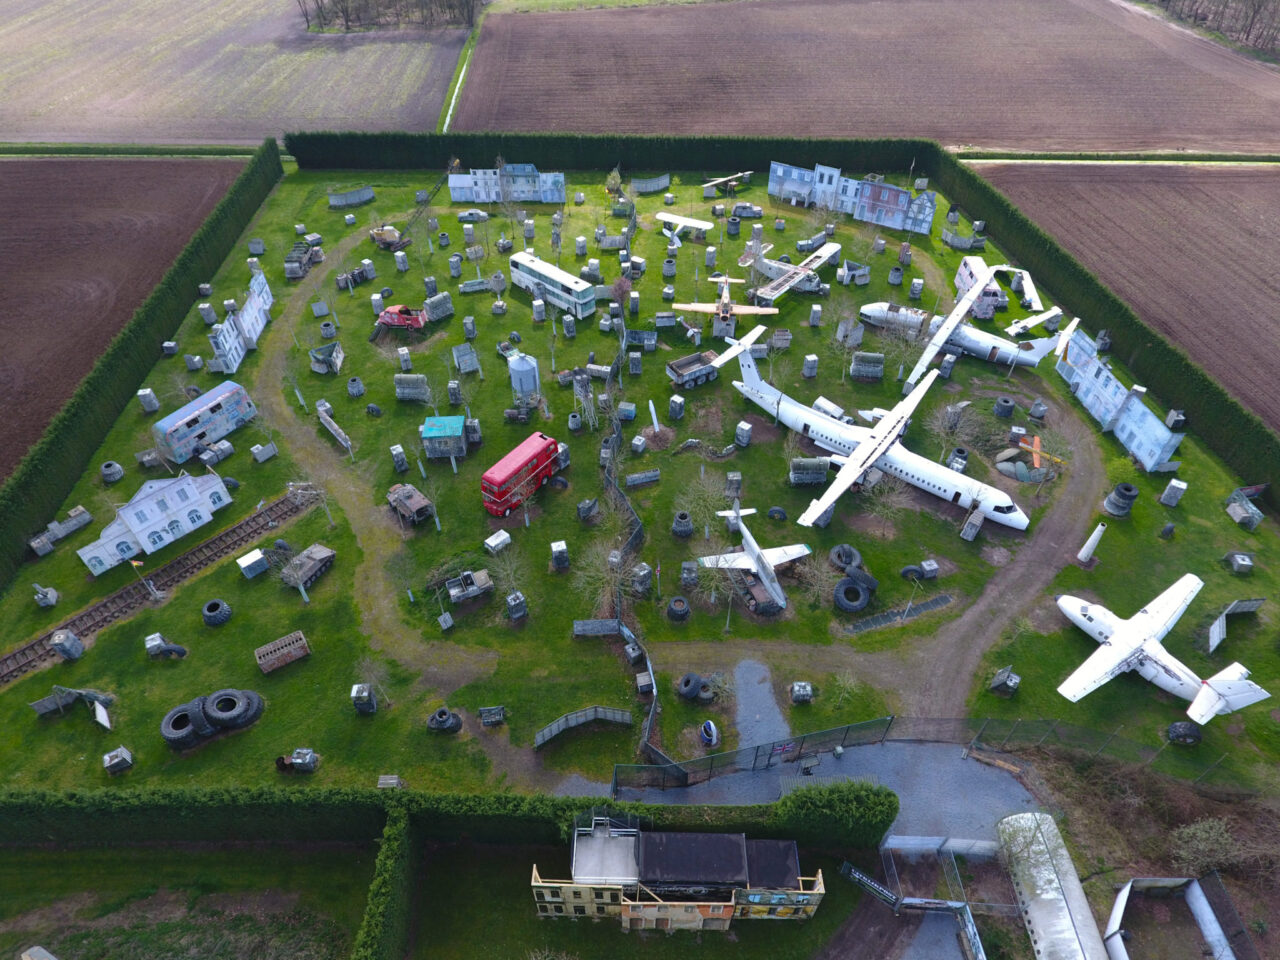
{"x": 277, "y": 653}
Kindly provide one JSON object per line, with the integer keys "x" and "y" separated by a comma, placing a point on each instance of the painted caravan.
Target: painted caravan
{"x": 546, "y": 281}
{"x": 203, "y": 421}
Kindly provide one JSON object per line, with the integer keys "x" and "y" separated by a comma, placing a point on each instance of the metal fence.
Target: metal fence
{"x": 577, "y": 719}
{"x": 1233, "y": 927}
{"x": 651, "y": 185}
{"x": 984, "y": 732}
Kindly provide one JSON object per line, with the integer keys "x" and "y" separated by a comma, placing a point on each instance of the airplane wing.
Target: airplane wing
{"x": 776, "y": 556}
{"x": 1108, "y": 661}
{"x": 1158, "y": 617}
{"x": 1019, "y": 327}
{"x": 727, "y": 561}
{"x": 881, "y": 437}
{"x": 697, "y": 307}
{"x": 746, "y": 310}
{"x": 948, "y": 326}
{"x": 676, "y": 220}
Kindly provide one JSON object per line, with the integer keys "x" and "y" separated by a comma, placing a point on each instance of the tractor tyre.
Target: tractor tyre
{"x": 216, "y": 613}
{"x": 678, "y": 609}
{"x": 177, "y": 728}
{"x": 228, "y": 708}
{"x": 862, "y": 577}
{"x": 841, "y": 555}
{"x": 912, "y": 572}
{"x": 851, "y": 596}
{"x": 1185, "y": 732}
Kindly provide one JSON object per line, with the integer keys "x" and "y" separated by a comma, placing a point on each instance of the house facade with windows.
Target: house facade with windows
{"x": 1119, "y": 409}
{"x": 653, "y": 880}
{"x": 869, "y": 199}
{"x": 519, "y": 182}
{"x": 239, "y": 332}
{"x": 161, "y": 512}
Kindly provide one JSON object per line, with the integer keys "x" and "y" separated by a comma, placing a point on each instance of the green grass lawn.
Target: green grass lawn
{"x": 363, "y": 607}
{"x": 273, "y": 901}
{"x": 486, "y": 900}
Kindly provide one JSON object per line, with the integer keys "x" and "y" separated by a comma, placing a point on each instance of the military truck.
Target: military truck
{"x": 307, "y": 567}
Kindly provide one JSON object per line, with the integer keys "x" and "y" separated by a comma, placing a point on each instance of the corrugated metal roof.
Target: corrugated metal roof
{"x": 442, "y": 427}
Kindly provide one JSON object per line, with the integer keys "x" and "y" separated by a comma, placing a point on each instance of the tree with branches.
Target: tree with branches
{"x": 888, "y": 498}
{"x": 955, "y": 425}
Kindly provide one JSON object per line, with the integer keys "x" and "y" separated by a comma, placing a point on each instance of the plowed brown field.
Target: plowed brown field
{"x": 1021, "y": 74}
{"x": 1192, "y": 248}
{"x": 83, "y": 242}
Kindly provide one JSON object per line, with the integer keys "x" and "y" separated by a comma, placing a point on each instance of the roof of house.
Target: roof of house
{"x": 199, "y": 403}
{"x": 442, "y": 427}
{"x": 773, "y": 863}
{"x": 693, "y": 858}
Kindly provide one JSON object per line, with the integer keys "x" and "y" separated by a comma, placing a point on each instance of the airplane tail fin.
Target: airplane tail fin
{"x": 1225, "y": 692}
{"x": 1041, "y": 348}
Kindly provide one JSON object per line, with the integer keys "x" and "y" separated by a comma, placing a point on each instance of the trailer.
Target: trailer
{"x": 693, "y": 370}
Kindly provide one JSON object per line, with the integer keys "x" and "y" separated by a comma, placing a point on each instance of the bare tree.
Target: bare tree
{"x": 595, "y": 579}
{"x": 702, "y": 498}
{"x": 955, "y": 425}
{"x": 375, "y": 673}
{"x": 306, "y": 14}
{"x": 886, "y": 500}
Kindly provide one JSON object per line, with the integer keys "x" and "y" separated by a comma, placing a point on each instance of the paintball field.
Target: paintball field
{"x": 94, "y": 238}
{"x": 1101, "y": 75}
{"x": 1190, "y": 248}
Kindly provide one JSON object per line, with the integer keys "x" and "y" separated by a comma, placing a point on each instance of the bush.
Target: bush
{"x": 1204, "y": 845}
{"x": 847, "y": 814}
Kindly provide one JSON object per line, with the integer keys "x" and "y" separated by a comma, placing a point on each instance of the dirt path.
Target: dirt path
{"x": 378, "y": 538}
{"x": 932, "y": 677}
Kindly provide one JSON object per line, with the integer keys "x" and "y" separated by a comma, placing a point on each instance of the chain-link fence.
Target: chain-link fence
{"x": 986, "y": 732}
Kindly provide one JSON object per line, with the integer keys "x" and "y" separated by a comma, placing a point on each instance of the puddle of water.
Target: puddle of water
{"x": 759, "y": 719}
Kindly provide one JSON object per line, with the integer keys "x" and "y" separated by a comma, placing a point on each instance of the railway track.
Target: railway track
{"x": 39, "y": 652}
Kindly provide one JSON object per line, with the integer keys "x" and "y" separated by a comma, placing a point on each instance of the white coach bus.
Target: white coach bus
{"x": 547, "y": 282}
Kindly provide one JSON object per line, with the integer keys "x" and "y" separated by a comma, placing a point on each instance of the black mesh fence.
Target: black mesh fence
{"x": 986, "y": 732}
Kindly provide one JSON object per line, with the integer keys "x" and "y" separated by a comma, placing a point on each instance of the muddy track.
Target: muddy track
{"x": 932, "y": 676}
{"x": 348, "y": 484}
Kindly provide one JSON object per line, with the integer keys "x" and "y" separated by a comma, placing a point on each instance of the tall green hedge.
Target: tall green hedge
{"x": 1239, "y": 437}
{"x": 384, "y": 931}
{"x": 51, "y": 468}
{"x": 197, "y": 815}
{"x": 429, "y": 151}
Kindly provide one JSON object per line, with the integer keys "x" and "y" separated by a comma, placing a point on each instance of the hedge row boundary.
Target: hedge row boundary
{"x": 1240, "y": 438}
{"x": 51, "y": 468}
{"x": 844, "y": 816}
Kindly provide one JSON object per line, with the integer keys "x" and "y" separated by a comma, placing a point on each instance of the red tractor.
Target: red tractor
{"x": 405, "y": 318}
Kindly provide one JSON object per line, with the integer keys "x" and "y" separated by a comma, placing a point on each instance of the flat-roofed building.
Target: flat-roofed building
{"x": 658, "y": 880}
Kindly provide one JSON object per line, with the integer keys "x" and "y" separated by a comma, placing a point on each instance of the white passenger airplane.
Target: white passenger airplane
{"x": 860, "y": 448}
{"x": 963, "y": 337}
{"x": 1134, "y": 644}
{"x": 759, "y": 561}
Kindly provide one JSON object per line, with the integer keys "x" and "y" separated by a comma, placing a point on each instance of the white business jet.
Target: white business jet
{"x": 759, "y": 561}
{"x": 1134, "y": 644}
{"x": 859, "y": 448}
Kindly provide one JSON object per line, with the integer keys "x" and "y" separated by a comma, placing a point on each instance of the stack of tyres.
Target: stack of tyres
{"x": 189, "y": 724}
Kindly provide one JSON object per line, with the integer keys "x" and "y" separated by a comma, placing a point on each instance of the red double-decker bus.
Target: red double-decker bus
{"x": 508, "y": 482}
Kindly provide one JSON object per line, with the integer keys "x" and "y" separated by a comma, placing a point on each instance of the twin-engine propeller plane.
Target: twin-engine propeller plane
{"x": 1134, "y": 644}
